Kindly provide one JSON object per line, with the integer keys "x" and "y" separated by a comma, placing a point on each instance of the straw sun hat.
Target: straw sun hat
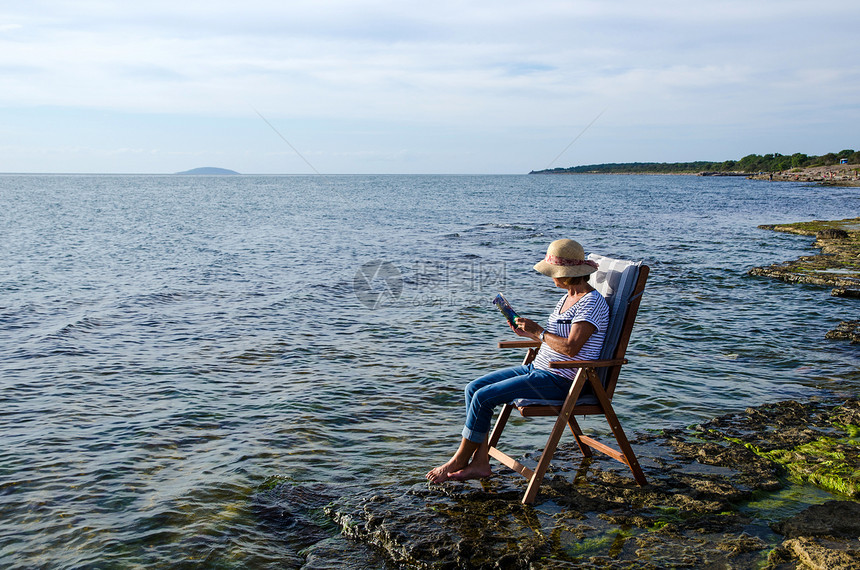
{"x": 565, "y": 258}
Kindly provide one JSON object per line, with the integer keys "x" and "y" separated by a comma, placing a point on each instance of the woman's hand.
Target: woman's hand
{"x": 527, "y": 328}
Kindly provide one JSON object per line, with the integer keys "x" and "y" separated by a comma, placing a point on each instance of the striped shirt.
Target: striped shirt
{"x": 590, "y": 308}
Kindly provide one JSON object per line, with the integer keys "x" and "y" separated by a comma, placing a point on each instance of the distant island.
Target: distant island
{"x": 749, "y": 164}
{"x": 208, "y": 170}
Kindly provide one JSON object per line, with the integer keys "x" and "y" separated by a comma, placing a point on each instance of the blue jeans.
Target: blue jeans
{"x": 504, "y": 386}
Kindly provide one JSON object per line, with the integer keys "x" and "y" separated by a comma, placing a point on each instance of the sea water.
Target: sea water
{"x": 171, "y": 346}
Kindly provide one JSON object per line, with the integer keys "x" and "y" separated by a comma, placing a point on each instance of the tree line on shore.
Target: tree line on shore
{"x": 749, "y": 164}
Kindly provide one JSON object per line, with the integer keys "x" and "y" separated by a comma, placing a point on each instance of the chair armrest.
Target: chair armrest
{"x": 587, "y": 363}
{"x": 519, "y": 343}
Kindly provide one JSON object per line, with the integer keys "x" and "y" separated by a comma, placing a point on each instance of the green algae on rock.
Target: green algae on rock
{"x": 590, "y": 513}
{"x": 822, "y": 450}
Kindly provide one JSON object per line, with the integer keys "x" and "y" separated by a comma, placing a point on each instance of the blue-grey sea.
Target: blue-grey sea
{"x": 172, "y": 348}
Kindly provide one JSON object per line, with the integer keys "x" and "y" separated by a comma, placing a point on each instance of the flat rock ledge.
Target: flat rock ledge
{"x": 773, "y": 487}
{"x": 838, "y": 263}
{"x": 837, "y": 266}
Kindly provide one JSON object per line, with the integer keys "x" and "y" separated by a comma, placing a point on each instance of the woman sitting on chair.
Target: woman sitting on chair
{"x": 575, "y": 331}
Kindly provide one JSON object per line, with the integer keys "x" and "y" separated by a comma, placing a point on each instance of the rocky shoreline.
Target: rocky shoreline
{"x": 836, "y": 266}
{"x": 734, "y": 492}
{"x": 834, "y": 175}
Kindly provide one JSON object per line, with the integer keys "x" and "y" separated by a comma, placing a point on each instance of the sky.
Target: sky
{"x": 369, "y": 86}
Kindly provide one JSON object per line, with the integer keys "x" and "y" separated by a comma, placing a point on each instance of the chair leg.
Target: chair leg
{"x": 577, "y": 432}
{"x": 543, "y": 463}
{"x": 623, "y": 444}
{"x": 500, "y": 456}
{"x": 562, "y": 420}
{"x": 501, "y": 421}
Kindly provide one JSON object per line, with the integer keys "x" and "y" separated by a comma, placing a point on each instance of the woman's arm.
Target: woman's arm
{"x": 580, "y": 332}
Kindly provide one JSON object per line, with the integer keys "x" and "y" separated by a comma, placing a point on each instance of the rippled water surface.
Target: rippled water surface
{"x": 174, "y": 348}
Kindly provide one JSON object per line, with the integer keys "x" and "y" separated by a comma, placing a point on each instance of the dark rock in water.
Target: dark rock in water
{"x": 822, "y": 536}
{"x": 845, "y": 292}
{"x": 847, "y": 330}
{"x": 295, "y": 513}
{"x": 420, "y": 528}
{"x": 591, "y": 517}
{"x": 833, "y": 518}
{"x": 484, "y": 525}
{"x": 832, "y": 233}
{"x": 847, "y": 414}
{"x": 341, "y": 553}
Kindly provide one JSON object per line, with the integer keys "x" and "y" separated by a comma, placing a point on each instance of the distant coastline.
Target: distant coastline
{"x": 687, "y": 168}
{"x": 836, "y": 175}
{"x": 847, "y": 161}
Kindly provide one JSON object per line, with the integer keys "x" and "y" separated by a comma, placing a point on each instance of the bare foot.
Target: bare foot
{"x": 443, "y": 472}
{"x": 471, "y": 472}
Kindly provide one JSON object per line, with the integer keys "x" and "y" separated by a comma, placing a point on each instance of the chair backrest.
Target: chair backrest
{"x": 621, "y": 283}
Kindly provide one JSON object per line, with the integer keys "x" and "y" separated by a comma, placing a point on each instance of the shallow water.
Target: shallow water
{"x": 171, "y": 346}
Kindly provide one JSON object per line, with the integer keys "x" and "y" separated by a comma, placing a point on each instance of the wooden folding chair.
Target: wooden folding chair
{"x": 622, "y": 284}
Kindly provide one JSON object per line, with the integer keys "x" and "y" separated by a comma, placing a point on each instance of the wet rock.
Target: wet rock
{"x": 590, "y": 512}
{"x": 816, "y": 554}
{"x": 832, "y": 233}
{"x": 807, "y": 270}
{"x": 343, "y": 554}
{"x": 847, "y": 330}
{"x": 812, "y": 442}
{"x": 422, "y": 529}
{"x": 750, "y": 472}
{"x": 848, "y": 413}
{"x": 837, "y": 265}
{"x": 742, "y": 544}
{"x": 579, "y": 520}
{"x": 852, "y": 293}
{"x": 294, "y": 511}
{"x": 833, "y": 518}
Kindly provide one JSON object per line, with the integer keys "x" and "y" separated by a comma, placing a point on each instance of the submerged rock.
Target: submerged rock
{"x": 692, "y": 514}
{"x": 847, "y": 330}
{"x": 420, "y": 528}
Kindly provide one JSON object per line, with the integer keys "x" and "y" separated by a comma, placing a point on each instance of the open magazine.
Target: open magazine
{"x": 502, "y": 304}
